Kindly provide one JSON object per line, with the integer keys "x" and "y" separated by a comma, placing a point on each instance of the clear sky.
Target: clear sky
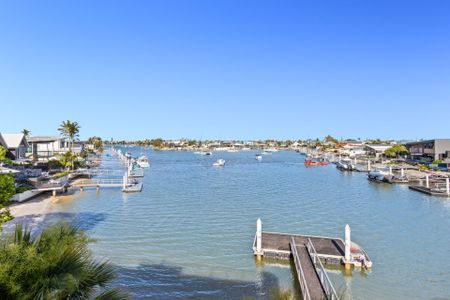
{"x": 227, "y": 69}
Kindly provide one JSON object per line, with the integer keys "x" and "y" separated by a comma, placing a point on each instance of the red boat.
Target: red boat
{"x": 312, "y": 162}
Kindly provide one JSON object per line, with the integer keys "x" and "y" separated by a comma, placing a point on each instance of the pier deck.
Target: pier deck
{"x": 308, "y": 253}
{"x": 328, "y": 249}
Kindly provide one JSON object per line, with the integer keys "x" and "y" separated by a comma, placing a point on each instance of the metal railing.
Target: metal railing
{"x": 323, "y": 276}
{"x": 95, "y": 182}
{"x": 301, "y": 277}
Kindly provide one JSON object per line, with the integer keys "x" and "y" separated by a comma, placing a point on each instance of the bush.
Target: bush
{"x": 23, "y": 188}
{"x": 60, "y": 174}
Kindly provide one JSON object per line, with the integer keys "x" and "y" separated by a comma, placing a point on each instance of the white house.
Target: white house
{"x": 45, "y": 147}
{"x": 16, "y": 144}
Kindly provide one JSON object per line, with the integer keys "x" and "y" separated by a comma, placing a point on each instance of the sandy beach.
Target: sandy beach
{"x": 39, "y": 211}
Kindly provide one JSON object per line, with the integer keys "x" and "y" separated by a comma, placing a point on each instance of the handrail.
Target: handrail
{"x": 323, "y": 276}
{"x": 301, "y": 277}
{"x": 98, "y": 181}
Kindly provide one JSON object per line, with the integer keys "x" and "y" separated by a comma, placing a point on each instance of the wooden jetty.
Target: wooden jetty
{"x": 437, "y": 186}
{"x": 127, "y": 185}
{"x": 309, "y": 254}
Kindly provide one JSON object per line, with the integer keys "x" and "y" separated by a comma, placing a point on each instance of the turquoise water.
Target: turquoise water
{"x": 189, "y": 233}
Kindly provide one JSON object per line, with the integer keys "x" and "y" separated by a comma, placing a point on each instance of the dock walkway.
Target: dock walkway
{"x": 306, "y": 273}
{"x": 310, "y": 253}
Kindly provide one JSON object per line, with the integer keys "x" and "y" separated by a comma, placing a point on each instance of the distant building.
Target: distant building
{"x": 15, "y": 143}
{"x": 429, "y": 150}
{"x": 376, "y": 150}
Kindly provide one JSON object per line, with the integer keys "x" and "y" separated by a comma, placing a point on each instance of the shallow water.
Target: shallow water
{"x": 189, "y": 233}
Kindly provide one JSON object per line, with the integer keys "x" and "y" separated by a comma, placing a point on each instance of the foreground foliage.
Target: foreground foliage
{"x": 56, "y": 264}
{"x": 7, "y": 191}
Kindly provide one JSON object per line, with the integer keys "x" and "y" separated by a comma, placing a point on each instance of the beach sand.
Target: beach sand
{"x": 40, "y": 211}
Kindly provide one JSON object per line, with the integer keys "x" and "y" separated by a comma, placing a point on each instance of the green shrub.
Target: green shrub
{"x": 60, "y": 174}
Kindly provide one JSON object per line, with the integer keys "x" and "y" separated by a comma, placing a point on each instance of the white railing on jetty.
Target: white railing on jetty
{"x": 301, "y": 277}
{"x": 99, "y": 182}
{"x": 323, "y": 276}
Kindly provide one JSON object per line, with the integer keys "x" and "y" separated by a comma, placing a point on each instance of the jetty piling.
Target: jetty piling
{"x": 347, "y": 247}
{"x": 258, "y": 238}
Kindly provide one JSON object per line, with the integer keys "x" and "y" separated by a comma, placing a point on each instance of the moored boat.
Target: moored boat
{"x": 345, "y": 165}
{"x": 143, "y": 162}
{"x": 219, "y": 163}
{"x": 315, "y": 162}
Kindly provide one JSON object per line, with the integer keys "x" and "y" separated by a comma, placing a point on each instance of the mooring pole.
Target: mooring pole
{"x": 347, "y": 247}
{"x": 258, "y": 238}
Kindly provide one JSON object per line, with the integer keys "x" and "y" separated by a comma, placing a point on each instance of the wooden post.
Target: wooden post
{"x": 355, "y": 161}
{"x": 390, "y": 170}
{"x": 258, "y": 238}
{"x": 54, "y": 193}
{"x": 402, "y": 172}
{"x": 427, "y": 180}
{"x": 368, "y": 165}
{"x": 347, "y": 247}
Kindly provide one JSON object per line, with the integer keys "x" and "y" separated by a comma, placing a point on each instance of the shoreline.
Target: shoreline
{"x": 39, "y": 212}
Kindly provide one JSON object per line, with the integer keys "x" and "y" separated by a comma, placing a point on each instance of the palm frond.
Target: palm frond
{"x": 113, "y": 294}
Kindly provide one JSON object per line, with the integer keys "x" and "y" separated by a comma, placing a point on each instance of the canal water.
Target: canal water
{"x": 189, "y": 234}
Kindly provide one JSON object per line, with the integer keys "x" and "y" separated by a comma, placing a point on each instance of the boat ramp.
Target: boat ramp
{"x": 309, "y": 254}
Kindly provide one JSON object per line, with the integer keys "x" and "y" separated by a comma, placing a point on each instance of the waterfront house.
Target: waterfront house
{"x": 376, "y": 150}
{"x": 427, "y": 151}
{"x": 42, "y": 148}
{"x": 16, "y": 144}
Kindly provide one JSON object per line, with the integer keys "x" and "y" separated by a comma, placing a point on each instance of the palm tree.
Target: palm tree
{"x": 55, "y": 264}
{"x": 26, "y": 132}
{"x": 71, "y": 131}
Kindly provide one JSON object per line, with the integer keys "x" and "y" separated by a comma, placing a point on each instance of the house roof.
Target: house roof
{"x": 378, "y": 147}
{"x": 33, "y": 139}
{"x": 14, "y": 140}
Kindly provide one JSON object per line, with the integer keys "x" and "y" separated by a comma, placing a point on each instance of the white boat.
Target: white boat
{"x": 379, "y": 175}
{"x": 219, "y": 163}
{"x": 232, "y": 150}
{"x": 258, "y": 157}
{"x": 267, "y": 153}
{"x": 271, "y": 150}
{"x": 127, "y": 154}
{"x": 203, "y": 153}
{"x": 143, "y": 162}
{"x": 345, "y": 165}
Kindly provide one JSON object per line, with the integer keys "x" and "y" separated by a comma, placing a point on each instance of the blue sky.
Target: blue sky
{"x": 226, "y": 69}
